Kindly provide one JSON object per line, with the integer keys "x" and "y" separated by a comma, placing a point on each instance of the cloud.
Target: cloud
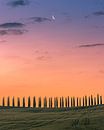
{"x": 2, "y": 41}
{"x": 41, "y": 55}
{"x": 98, "y": 13}
{"x": 101, "y": 71}
{"x": 16, "y": 3}
{"x": 43, "y": 58}
{"x": 12, "y": 32}
{"x": 90, "y": 45}
{"x": 39, "y": 19}
{"x": 12, "y": 25}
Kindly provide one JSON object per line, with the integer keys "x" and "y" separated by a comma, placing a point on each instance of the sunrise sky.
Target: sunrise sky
{"x": 43, "y": 56}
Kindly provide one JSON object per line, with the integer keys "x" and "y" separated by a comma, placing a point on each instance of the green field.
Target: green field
{"x": 48, "y": 119}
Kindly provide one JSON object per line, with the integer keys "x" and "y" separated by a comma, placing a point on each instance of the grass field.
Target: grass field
{"x": 47, "y": 119}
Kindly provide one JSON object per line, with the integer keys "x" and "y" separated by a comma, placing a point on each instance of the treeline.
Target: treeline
{"x": 56, "y": 102}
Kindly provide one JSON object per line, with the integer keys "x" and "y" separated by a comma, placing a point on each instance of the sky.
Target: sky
{"x": 51, "y": 47}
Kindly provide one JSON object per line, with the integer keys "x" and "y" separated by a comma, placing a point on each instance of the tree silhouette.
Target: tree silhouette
{"x": 97, "y": 99}
{"x": 34, "y": 102}
{"x": 68, "y": 102}
{"x": 86, "y": 101}
{"x": 8, "y": 101}
{"x": 91, "y": 100}
{"x": 13, "y": 102}
{"x": 80, "y": 102}
{"x": 3, "y": 102}
{"x": 100, "y": 100}
{"x": 23, "y": 102}
{"x": 39, "y": 102}
{"x": 29, "y": 101}
{"x": 62, "y": 102}
{"x": 45, "y": 102}
{"x": 18, "y": 102}
{"x": 77, "y": 102}
{"x": 94, "y": 100}
{"x": 71, "y": 102}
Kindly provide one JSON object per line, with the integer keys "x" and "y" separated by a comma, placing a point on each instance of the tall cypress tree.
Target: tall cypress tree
{"x": 94, "y": 100}
{"x": 77, "y": 102}
{"x": 51, "y": 102}
{"x": 97, "y": 99}
{"x": 71, "y": 102}
{"x": 83, "y": 102}
{"x": 29, "y": 102}
{"x": 3, "y": 102}
{"x": 13, "y": 102}
{"x": 60, "y": 102}
{"x": 39, "y": 102}
{"x": 100, "y": 100}
{"x": 34, "y": 102}
{"x": 80, "y": 102}
{"x": 89, "y": 101}
{"x": 54, "y": 102}
{"x": 8, "y": 101}
{"x": 23, "y": 102}
{"x": 86, "y": 101}
{"x": 68, "y": 102}
{"x": 18, "y": 102}
{"x": 45, "y": 102}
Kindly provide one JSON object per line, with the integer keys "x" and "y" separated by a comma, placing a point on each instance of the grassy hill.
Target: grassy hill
{"x": 52, "y": 119}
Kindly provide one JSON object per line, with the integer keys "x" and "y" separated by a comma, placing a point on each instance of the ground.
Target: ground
{"x": 46, "y": 119}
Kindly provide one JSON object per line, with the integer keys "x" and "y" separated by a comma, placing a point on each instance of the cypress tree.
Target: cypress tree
{"x": 100, "y": 100}
{"x": 86, "y": 101}
{"x": 71, "y": 102}
{"x": 68, "y": 102}
{"x": 45, "y": 102}
{"x": 3, "y": 102}
{"x": 34, "y": 102}
{"x": 13, "y": 102}
{"x": 51, "y": 102}
{"x": 83, "y": 102}
{"x": 80, "y": 102}
{"x": 60, "y": 103}
{"x": 39, "y": 102}
{"x": 77, "y": 102}
{"x": 23, "y": 102}
{"x": 91, "y": 100}
{"x": 29, "y": 102}
{"x": 18, "y": 102}
{"x": 57, "y": 102}
{"x": 97, "y": 99}
{"x": 8, "y": 101}
{"x": 54, "y": 102}
{"x": 94, "y": 100}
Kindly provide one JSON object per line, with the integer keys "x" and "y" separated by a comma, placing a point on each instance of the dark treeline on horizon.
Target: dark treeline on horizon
{"x": 56, "y": 102}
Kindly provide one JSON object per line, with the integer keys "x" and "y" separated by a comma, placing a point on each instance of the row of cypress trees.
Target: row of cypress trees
{"x": 57, "y": 102}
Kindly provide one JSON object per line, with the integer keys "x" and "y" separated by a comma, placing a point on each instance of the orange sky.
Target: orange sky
{"x": 40, "y": 56}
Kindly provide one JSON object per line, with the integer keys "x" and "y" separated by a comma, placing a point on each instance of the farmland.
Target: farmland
{"x": 87, "y": 118}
